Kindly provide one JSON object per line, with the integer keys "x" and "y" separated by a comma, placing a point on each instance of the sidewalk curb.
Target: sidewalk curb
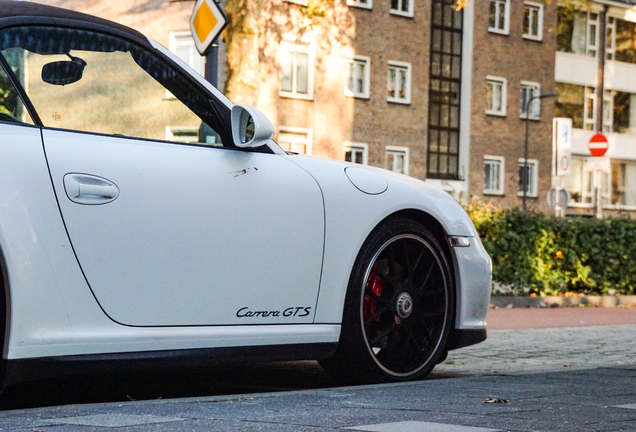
{"x": 561, "y": 301}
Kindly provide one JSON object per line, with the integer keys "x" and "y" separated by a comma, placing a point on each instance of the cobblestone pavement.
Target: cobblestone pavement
{"x": 565, "y": 379}
{"x": 545, "y": 349}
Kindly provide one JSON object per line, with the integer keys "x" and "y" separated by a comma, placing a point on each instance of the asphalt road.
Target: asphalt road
{"x": 282, "y": 376}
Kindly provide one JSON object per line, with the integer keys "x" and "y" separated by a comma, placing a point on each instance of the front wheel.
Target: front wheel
{"x": 398, "y": 310}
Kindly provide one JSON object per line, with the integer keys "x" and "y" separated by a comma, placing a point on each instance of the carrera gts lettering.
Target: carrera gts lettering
{"x": 298, "y": 311}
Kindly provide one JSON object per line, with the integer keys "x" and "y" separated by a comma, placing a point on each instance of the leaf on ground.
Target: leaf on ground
{"x": 495, "y": 400}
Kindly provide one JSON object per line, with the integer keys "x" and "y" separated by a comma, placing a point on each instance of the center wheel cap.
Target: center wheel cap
{"x": 404, "y": 305}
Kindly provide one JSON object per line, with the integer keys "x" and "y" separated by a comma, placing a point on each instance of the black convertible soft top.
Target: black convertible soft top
{"x": 14, "y": 13}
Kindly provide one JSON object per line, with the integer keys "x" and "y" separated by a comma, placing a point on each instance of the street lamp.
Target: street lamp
{"x": 525, "y": 152}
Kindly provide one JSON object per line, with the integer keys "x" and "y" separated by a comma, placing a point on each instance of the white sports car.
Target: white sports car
{"x": 144, "y": 219}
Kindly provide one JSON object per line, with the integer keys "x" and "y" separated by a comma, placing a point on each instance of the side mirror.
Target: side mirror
{"x": 63, "y": 72}
{"x": 250, "y": 127}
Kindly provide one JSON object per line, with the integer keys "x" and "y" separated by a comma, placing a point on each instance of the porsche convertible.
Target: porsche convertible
{"x": 145, "y": 219}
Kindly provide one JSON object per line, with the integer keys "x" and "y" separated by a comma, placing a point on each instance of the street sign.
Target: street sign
{"x": 558, "y": 197}
{"x": 561, "y": 144}
{"x": 598, "y": 145}
{"x": 207, "y": 22}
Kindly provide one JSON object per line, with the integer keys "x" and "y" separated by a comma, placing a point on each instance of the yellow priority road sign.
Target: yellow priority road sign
{"x": 207, "y": 21}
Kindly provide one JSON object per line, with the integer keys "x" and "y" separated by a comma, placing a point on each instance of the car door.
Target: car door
{"x": 171, "y": 233}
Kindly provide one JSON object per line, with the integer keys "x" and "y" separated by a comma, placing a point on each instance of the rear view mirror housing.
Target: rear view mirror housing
{"x": 63, "y": 72}
{"x": 250, "y": 127}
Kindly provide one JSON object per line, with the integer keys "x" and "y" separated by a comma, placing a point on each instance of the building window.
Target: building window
{"x": 530, "y": 173}
{"x": 496, "y": 96}
{"x": 399, "y": 82}
{"x": 358, "y": 77}
{"x": 186, "y": 134}
{"x": 570, "y": 102}
{"x": 182, "y": 45}
{"x": 625, "y": 41}
{"x": 367, "y": 4}
{"x": 529, "y": 90}
{"x": 579, "y": 34}
{"x": 589, "y": 114}
{"x": 533, "y": 21}
{"x": 494, "y": 168}
{"x": 444, "y": 92}
{"x": 296, "y": 70}
{"x": 397, "y": 159}
{"x": 295, "y": 140}
{"x": 499, "y": 16}
{"x": 623, "y": 184}
{"x": 402, "y": 7}
{"x": 356, "y": 152}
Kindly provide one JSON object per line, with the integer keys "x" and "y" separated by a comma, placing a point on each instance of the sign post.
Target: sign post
{"x": 598, "y": 146}
{"x": 206, "y": 24}
{"x": 561, "y": 144}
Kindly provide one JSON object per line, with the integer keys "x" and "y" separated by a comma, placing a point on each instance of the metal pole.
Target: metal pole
{"x": 212, "y": 63}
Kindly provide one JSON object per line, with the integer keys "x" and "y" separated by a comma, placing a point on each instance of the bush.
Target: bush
{"x": 533, "y": 252}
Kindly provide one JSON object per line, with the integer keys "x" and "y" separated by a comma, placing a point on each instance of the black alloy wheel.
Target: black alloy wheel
{"x": 399, "y": 307}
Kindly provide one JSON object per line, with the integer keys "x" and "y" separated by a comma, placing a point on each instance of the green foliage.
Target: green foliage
{"x": 533, "y": 252}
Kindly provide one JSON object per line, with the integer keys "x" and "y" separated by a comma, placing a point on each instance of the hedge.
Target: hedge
{"x": 538, "y": 253}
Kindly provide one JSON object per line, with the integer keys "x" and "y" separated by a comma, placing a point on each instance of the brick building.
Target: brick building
{"x": 420, "y": 88}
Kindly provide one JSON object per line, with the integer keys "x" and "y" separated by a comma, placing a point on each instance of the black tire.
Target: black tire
{"x": 399, "y": 307}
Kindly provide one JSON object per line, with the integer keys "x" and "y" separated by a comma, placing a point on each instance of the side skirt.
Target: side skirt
{"x": 24, "y": 370}
{"x": 461, "y": 338}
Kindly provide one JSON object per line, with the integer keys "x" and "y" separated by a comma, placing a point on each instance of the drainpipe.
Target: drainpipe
{"x": 600, "y": 101}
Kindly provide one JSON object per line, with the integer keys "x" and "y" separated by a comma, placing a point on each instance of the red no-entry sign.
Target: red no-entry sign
{"x": 598, "y": 145}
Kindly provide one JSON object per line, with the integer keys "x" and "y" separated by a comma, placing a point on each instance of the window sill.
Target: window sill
{"x": 522, "y": 117}
{"x": 399, "y": 101}
{"x": 357, "y": 96}
{"x": 497, "y": 31}
{"x": 296, "y": 96}
{"x": 520, "y": 195}
{"x": 400, "y": 13}
{"x": 360, "y": 5}
{"x": 496, "y": 113}
{"x": 494, "y": 193}
{"x": 533, "y": 38}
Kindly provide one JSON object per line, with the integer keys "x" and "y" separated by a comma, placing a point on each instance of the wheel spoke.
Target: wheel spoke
{"x": 382, "y": 335}
{"x": 375, "y": 297}
{"x": 416, "y": 265}
{"x": 376, "y": 315}
{"x": 427, "y": 277}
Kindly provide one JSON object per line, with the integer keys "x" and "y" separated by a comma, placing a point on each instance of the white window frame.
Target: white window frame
{"x": 407, "y": 90}
{"x": 592, "y": 50}
{"x": 398, "y": 150}
{"x": 360, "y": 4}
{"x": 608, "y": 110}
{"x": 352, "y": 146}
{"x": 351, "y": 61}
{"x": 535, "y": 107}
{"x": 538, "y": 6}
{"x": 533, "y": 189}
{"x": 292, "y": 130}
{"x": 399, "y": 10}
{"x": 506, "y": 6}
{"x": 504, "y": 95}
{"x": 610, "y": 24}
{"x": 501, "y": 161}
{"x": 305, "y": 46}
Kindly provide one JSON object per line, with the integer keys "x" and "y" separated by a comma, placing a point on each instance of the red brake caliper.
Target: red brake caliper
{"x": 375, "y": 285}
